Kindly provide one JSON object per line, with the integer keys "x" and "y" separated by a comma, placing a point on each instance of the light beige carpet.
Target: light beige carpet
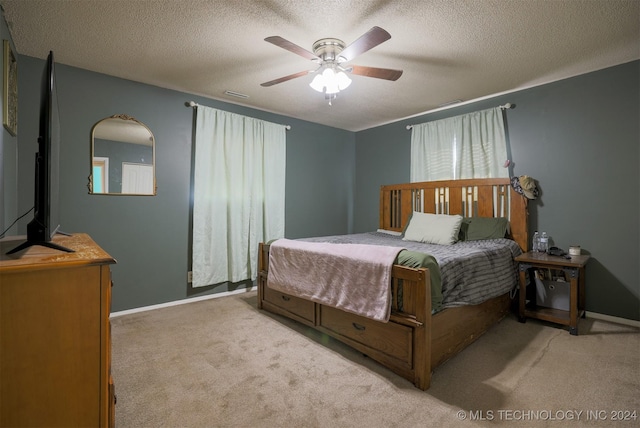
{"x": 223, "y": 363}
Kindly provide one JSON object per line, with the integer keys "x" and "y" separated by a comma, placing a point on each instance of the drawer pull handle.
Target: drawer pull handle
{"x": 358, "y": 326}
{"x": 286, "y": 298}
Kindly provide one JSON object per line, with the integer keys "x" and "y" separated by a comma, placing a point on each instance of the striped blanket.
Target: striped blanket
{"x": 471, "y": 271}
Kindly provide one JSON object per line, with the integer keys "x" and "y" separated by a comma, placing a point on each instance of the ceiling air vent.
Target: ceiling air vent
{"x": 235, "y": 94}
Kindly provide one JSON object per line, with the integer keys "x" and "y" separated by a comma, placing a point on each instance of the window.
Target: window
{"x": 239, "y": 186}
{"x": 468, "y": 146}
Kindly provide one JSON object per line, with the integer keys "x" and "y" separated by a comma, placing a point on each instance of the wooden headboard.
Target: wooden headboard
{"x": 486, "y": 197}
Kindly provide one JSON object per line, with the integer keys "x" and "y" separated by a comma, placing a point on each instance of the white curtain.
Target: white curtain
{"x": 239, "y": 185}
{"x": 468, "y": 146}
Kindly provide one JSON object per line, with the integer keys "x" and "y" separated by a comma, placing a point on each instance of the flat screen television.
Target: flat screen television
{"x": 46, "y": 220}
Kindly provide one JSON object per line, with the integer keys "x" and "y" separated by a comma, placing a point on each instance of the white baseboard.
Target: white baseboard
{"x": 610, "y": 318}
{"x": 181, "y": 302}
{"x": 594, "y": 315}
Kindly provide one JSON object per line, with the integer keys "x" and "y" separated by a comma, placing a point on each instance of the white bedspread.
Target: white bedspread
{"x": 353, "y": 277}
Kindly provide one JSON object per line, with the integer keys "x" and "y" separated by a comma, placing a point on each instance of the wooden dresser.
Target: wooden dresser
{"x": 55, "y": 335}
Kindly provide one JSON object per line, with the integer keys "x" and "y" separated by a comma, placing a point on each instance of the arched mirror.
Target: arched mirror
{"x": 122, "y": 157}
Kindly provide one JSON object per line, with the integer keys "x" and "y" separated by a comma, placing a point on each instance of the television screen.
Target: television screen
{"x": 46, "y": 220}
{"x": 53, "y": 223}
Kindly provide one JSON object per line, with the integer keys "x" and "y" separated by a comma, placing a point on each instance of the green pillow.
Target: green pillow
{"x": 477, "y": 228}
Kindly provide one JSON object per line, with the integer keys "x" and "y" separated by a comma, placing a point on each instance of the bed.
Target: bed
{"x": 417, "y": 337}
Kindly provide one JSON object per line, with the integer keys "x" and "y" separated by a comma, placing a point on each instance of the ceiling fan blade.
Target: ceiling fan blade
{"x": 368, "y": 40}
{"x": 379, "y": 73}
{"x": 291, "y": 47}
{"x": 285, "y": 78}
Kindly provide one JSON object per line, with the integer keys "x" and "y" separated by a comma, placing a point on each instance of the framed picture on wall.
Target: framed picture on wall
{"x": 10, "y": 90}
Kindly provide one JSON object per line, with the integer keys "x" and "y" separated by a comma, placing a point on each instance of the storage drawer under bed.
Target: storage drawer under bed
{"x": 300, "y": 307}
{"x": 392, "y": 339}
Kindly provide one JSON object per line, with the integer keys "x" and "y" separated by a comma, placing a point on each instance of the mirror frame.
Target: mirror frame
{"x": 123, "y": 117}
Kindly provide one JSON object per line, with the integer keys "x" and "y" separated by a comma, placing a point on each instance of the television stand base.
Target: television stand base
{"x": 28, "y": 244}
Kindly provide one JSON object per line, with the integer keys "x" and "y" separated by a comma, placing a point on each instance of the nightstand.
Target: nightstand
{"x": 542, "y": 263}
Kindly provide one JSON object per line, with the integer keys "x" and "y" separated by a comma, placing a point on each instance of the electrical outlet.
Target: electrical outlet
{"x": 190, "y": 277}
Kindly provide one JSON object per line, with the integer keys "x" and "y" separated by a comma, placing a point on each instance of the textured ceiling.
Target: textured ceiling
{"x": 449, "y": 49}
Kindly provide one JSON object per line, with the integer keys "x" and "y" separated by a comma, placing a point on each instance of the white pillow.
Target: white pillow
{"x": 433, "y": 228}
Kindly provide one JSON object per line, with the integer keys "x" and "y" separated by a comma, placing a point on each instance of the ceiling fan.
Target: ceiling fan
{"x": 331, "y": 75}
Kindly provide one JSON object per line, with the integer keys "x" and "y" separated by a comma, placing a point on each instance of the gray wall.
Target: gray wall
{"x": 580, "y": 139}
{"x": 8, "y": 161}
{"x": 150, "y": 235}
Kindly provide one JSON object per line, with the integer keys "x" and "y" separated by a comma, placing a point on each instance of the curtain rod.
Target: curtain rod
{"x": 506, "y": 106}
{"x": 195, "y": 104}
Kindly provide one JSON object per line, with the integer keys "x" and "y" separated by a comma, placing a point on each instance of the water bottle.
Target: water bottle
{"x": 536, "y": 241}
{"x": 544, "y": 242}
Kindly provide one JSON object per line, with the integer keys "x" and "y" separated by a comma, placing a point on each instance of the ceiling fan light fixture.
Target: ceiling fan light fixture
{"x": 331, "y": 76}
{"x": 330, "y": 82}
{"x": 343, "y": 80}
{"x": 318, "y": 83}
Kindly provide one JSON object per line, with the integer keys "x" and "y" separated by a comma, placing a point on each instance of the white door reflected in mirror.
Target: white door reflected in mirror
{"x": 137, "y": 178}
